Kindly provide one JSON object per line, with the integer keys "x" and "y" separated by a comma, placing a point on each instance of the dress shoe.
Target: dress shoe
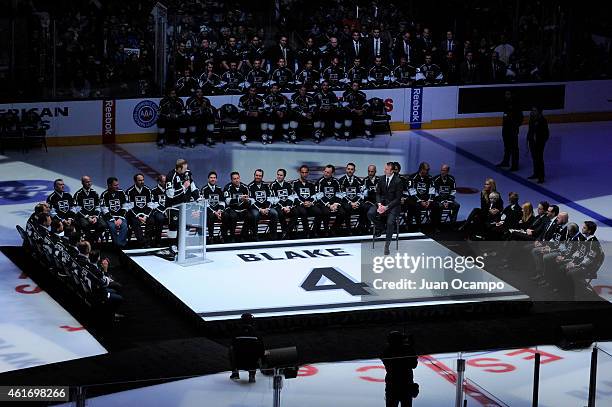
{"x": 541, "y": 181}
{"x": 532, "y": 176}
{"x": 378, "y": 232}
{"x": 235, "y": 376}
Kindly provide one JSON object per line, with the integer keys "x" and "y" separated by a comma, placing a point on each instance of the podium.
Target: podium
{"x": 192, "y": 233}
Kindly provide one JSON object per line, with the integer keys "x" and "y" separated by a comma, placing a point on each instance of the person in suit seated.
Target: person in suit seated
{"x": 510, "y": 217}
{"x": 388, "y": 194}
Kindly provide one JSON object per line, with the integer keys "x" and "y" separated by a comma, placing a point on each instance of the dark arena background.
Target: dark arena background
{"x": 305, "y": 203}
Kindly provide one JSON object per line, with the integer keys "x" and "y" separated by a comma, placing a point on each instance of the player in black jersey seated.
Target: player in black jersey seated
{"x": 283, "y": 200}
{"x": 261, "y": 205}
{"x": 237, "y": 203}
{"x": 216, "y": 206}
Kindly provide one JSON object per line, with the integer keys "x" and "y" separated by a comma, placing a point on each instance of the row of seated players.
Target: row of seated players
{"x": 558, "y": 251}
{"x": 74, "y": 262}
{"x": 145, "y": 211}
{"x": 378, "y": 75}
{"x": 272, "y": 114}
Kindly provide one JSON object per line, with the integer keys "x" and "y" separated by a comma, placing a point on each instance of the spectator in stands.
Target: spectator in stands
{"x": 450, "y": 69}
{"x": 469, "y": 71}
{"x": 504, "y": 50}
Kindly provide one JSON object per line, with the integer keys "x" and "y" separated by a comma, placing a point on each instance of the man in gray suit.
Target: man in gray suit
{"x": 388, "y": 194}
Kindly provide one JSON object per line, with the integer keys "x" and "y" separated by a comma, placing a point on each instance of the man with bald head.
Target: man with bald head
{"x": 556, "y": 233}
{"x": 444, "y": 199}
{"x": 87, "y": 206}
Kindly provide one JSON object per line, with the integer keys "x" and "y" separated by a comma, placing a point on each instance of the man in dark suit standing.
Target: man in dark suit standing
{"x": 377, "y": 47}
{"x": 388, "y": 194}
{"x": 355, "y": 48}
{"x": 537, "y": 136}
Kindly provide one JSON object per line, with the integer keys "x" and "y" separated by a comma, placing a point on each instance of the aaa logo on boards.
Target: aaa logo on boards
{"x": 24, "y": 191}
{"x": 145, "y": 113}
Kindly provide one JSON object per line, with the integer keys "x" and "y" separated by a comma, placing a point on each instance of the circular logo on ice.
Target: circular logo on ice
{"x": 18, "y": 192}
{"x": 145, "y": 113}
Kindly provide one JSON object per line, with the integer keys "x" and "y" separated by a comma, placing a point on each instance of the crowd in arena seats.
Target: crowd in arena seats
{"x": 272, "y": 117}
{"x": 107, "y": 48}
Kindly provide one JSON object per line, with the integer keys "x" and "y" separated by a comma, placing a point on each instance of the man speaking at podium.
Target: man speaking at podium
{"x": 180, "y": 188}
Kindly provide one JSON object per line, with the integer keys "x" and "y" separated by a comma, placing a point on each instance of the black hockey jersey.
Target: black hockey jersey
{"x": 354, "y": 100}
{"x": 114, "y": 204}
{"x": 351, "y": 188}
{"x": 250, "y": 104}
{"x": 329, "y": 190}
{"x": 215, "y": 197}
{"x": 175, "y": 193}
{"x": 260, "y": 195}
{"x": 326, "y": 101}
{"x": 304, "y": 191}
{"x": 303, "y": 104}
{"x": 159, "y": 197}
{"x": 422, "y": 188}
{"x": 232, "y": 195}
{"x": 283, "y": 193}
{"x": 445, "y": 187}
{"x": 87, "y": 202}
{"x": 61, "y": 204}
{"x": 171, "y": 108}
{"x": 369, "y": 188}
{"x": 139, "y": 200}
{"x": 275, "y": 102}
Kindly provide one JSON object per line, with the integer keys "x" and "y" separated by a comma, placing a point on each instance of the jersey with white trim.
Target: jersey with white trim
{"x": 304, "y": 191}
{"x": 250, "y": 104}
{"x": 445, "y": 187}
{"x": 260, "y": 194}
{"x": 61, "y": 204}
{"x": 369, "y": 188}
{"x": 326, "y": 100}
{"x": 175, "y": 192}
{"x": 308, "y": 77}
{"x": 88, "y": 202}
{"x": 257, "y": 78}
{"x": 329, "y": 188}
{"x": 334, "y": 74}
{"x": 113, "y": 204}
{"x": 232, "y": 195}
{"x": 303, "y": 104}
{"x": 171, "y": 108}
{"x": 379, "y": 74}
{"x": 282, "y": 76}
{"x": 139, "y": 200}
{"x": 354, "y": 100}
{"x": 357, "y": 74}
{"x": 274, "y": 102}
{"x": 214, "y": 195}
{"x": 283, "y": 193}
{"x": 159, "y": 196}
{"x": 422, "y": 188}
{"x": 197, "y": 107}
{"x": 351, "y": 188}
